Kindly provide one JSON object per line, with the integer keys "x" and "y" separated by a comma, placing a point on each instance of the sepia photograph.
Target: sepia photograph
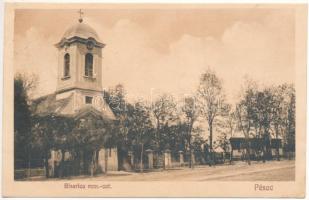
{"x": 150, "y": 94}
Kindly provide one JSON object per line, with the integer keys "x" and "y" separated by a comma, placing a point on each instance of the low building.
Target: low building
{"x": 256, "y": 147}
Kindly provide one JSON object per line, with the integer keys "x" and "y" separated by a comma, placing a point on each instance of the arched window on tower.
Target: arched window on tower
{"x": 66, "y": 70}
{"x": 89, "y": 65}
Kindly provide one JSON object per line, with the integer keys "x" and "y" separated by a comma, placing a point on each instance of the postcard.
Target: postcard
{"x": 154, "y": 100}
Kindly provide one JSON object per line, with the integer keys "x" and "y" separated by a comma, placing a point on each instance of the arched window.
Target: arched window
{"x": 89, "y": 65}
{"x": 66, "y": 65}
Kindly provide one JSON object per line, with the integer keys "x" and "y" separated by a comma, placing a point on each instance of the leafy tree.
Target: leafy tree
{"x": 165, "y": 112}
{"x": 50, "y": 132}
{"x": 140, "y": 128}
{"x": 278, "y": 112}
{"x": 115, "y": 98}
{"x": 283, "y": 116}
{"x": 245, "y": 113}
{"x": 23, "y": 86}
{"x": 197, "y": 142}
{"x": 290, "y": 123}
{"x": 226, "y": 126}
{"x": 263, "y": 110}
{"x": 90, "y": 134}
{"x": 175, "y": 137}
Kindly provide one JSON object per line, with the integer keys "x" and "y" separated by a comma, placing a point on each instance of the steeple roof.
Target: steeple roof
{"x": 81, "y": 30}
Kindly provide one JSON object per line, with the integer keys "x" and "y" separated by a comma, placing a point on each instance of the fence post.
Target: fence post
{"x": 181, "y": 161}
{"x": 150, "y": 158}
{"x": 167, "y": 158}
{"x": 52, "y": 163}
{"x": 131, "y": 155}
{"x": 192, "y": 156}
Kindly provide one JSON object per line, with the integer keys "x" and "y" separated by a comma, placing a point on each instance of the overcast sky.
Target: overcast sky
{"x": 165, "y": 50}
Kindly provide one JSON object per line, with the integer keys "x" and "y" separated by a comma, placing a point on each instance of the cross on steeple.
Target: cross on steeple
{"x": 80, "y": 16}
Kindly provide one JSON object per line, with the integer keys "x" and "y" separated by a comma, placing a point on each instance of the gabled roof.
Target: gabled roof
{"x": 90, "y": 110}
{"x": 48, "y": 104}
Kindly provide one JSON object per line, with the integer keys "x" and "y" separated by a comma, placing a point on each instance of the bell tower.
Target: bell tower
{"x": 80, "y": 64}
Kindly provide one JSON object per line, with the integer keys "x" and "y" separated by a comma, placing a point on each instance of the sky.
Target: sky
{"x": 155, "y": 51}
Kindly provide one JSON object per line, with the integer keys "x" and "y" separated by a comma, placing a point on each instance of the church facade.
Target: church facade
{"x": 79, "y": 90}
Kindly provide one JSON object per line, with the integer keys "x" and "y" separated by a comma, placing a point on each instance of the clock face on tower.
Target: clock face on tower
{"x": 90, "y": 45}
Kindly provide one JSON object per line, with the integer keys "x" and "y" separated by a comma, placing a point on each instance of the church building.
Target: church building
{"x": 79, "y": 91}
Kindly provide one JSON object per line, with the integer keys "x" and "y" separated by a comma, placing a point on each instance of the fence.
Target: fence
{"x": 25, "y": 169}
{"x": 26, "y": 173}
{"x": 33, "y": 163}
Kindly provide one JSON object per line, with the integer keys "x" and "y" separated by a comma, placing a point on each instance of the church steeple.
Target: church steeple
{"x": 80, "y": 65}
{"x": 79, "y": 83}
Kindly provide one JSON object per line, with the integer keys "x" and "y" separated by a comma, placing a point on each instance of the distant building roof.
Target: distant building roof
{"x": 239, "y": 142}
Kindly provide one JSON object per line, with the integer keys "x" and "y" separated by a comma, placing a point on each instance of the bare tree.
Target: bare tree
{"x": 226, "y": 126}
{"x": 244, "y": 114}
{"x": 191, "y": 113}
{"x": 278, "y": 112}
{"x": 284, "y": 118}
{"x": 211, "y": 100}
{"x": 143, "y": 124}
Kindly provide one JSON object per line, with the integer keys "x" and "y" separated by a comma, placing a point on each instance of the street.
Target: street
{"x": 238, "y": 171}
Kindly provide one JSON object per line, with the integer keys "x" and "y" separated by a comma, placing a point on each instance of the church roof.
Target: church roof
{"x": 81, "y": 30}
{"x": 48, "y": 105}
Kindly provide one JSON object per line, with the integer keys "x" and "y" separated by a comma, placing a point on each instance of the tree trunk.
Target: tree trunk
{"x": 142, "y": 151}
{"x": 277, "y": 148}
{"x": 190, "y": 146}
{"x": 190, "y": 156}
{"x": 231, "y": 156}
{"x": 247, "y": 149}
{"x": 97, "y": 160}
{"x": 248, "y": 155}
{"x": 85, "y": 171}
{"x": 158, "y": 134}
{"x": 210, "y": 145}
{"x": 106, "y": 159}
{"x": 92, "y": 167}
{"x": 80, "y": 164}
{"x": 62, "y": 167}
{"x": 29, "y": 165}
{"x": 46, "y": 164}
{"x": 263, "y": 151}
{"x": 267, "y": 152}
{"x": 210, "y": 136}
